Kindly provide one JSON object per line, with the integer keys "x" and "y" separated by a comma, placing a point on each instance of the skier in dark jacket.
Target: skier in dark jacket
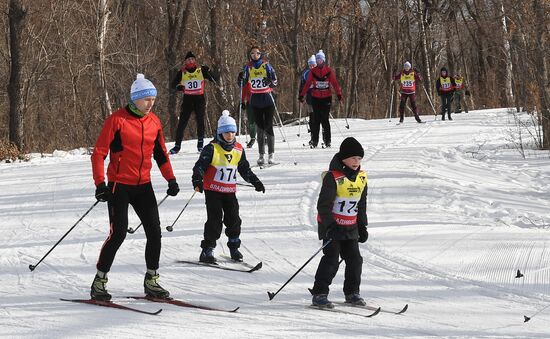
{"x": 215, "y": 173}
{"x": 342, "y": 221}
{"x": 132, "y": 137}
{"x": 261, "y": 76}
{"x": 190, "y": 81}
{"x": 445, "y": 86}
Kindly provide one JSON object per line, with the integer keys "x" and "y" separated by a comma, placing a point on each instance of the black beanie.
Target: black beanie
{"x": 350, "y": 147}
{"x": 189, "y": 55}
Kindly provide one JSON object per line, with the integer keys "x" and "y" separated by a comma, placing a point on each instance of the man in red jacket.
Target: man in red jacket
{"x": 131, "y": 136}
{"x": 322, "y": 80}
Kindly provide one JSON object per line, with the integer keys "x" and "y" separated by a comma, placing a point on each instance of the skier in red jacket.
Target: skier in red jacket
{"x": 322, "y": 80}
{"x": 131, "y": 136}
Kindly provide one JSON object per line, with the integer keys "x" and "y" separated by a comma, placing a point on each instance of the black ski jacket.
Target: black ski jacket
{"x": 327, "y": 225}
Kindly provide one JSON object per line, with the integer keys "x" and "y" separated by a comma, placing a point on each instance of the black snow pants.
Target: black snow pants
{"x": 328, "y": 266}
{"x": 143, "y": 200}
{"x": 221, "y": 208}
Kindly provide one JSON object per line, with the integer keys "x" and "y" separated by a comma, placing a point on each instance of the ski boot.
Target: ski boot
{"x": 207, "y": 255}
{"x": 98, "y": 290}
{"x": 271, "y": 159}
{"x": 250, "y": 143}
{"x": 234, "y": 244}
{"x": 200, "y": 145}
{"x": 355, "y": 299}
{"x": 175, "y": 149}
{"x": 321, "y": 301}
{"x": 152, "y": 288}
{"x": 261, "y": 160}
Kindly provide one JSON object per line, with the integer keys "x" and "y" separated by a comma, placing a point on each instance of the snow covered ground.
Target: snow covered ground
{"x": 454, "y": 212}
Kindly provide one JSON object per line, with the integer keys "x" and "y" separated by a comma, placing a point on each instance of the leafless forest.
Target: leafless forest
{"x": 66, "y": 64}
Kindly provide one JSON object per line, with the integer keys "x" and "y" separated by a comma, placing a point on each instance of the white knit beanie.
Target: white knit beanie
{"x": 311, "y": 60}
{"x": 142, "y": 88}
{"x": 320, "y": 55}
{"x": 407, "y": 65}
{"x": 226, "y": 123}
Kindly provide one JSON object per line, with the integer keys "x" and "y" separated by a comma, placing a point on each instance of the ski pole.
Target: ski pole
{"x": 132, "y": 230}
{"x": 240, "y": 106}
{"x": 431, "y": 104}
{"x": 338, "y": 127}
{"x": 282, "y": 132}
{"x": 32, "y": 267}
{"x": 346, "y": 117}
{"x": 278, "y": 116}
{"x": 171, "y": 227}
{"x": 391, "y": 99}
{"x": 299, "y": 118}
{"x": 272, "y": 295}
{"x": 526, "y": 318}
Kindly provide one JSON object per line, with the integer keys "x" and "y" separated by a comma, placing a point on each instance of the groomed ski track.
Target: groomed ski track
{"x": 454, "y": 211}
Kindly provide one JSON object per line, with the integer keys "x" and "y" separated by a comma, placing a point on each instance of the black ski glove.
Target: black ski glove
{"x": 173, "y": 188}
{"x": 259, "y": 186}
{"x": 103, "y": 193}
{"x": 363, "y": 234}
{"x": 332, "y": 231}
{"x": 197, "y": 185}
{"x": 243, "y": 105}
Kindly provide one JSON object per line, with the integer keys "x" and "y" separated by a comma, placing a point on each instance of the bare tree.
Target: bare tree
{"x": 17, "y": 13}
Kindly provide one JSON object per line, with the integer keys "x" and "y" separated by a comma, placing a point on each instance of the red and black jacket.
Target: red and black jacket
{"x": 318, "y": 76}
{"x": 131, "y": 141}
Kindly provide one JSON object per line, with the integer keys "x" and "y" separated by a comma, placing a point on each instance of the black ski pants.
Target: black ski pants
{"x": 264, "y": 128}
{"x": 221, "y": 208}
{"x": 143, "y": 200}
{"x": 191, "y": 103}
{"x": 403, "y": 102}
{"x": 328, "y": 266}
{"x": 320, "y": 116}
{"x": 446, "y": 100}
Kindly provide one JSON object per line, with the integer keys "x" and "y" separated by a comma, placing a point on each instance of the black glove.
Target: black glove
{"x": 339, "y": 98}
{"x": 467, "y": 93}
{"x": 332, "y": 231}
{"x": 301, "y": 98}
{"x": 363, "y": 234}
{"x": 173, "y": 188}
{"x": 197, "y": 185}
{"x": 103, "y": 193}
{"x": 240, "y": 78}
{"x": 205, "y": 68}
{"x": 243, "y": 105}
{"x": 259, "y": 186}
{"x": 180, "y": 87}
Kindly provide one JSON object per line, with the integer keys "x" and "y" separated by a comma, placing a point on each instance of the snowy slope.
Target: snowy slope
{"x": 454, "y": 211}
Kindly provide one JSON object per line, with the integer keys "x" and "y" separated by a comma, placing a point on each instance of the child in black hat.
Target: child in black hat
{"x": 342, "y": 221}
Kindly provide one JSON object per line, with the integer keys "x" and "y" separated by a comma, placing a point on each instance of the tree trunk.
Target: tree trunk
{"x": 541, "y": 72}
{"x": 16, "y": 15}
{"x": 425, "y": 54}
{"x": 177, "y": 15}
{"x": 508, "y": 58}
{"x": 102, "y": 17}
